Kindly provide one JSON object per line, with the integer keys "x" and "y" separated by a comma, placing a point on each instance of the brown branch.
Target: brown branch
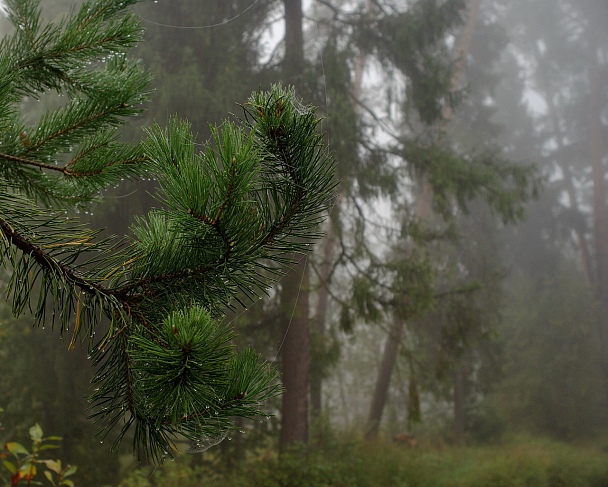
{"x": 202, "y": 218}
{"x": 65, "y": 169}
{"x": 49, "y": 263}
{"x": 29, "y": 162}
{"x": 123, "y": 293}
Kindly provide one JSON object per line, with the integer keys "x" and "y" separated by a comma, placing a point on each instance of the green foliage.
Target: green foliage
{"x": 23, "y": 465}
{"x": 414, "y": 42}
{"x": 460, "y": 179}
{"x": 411, "y": 276}
{"x": 84, "y": 58}
{"x": 552, "y": 374}
{"x": 232, "y": 214}
{"x": 214, "y": 66}
{"x": 349, "y": 462}
{"x": 40, "y": 381}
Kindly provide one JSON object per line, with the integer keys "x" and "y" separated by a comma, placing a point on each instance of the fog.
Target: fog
{"x": 458, "y": 297}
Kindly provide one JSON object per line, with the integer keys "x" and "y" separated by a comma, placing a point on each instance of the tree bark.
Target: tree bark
{"x": 600, "y": 210}
{"x": 294, "y": 40}
{"x": 320, "y": 331}
{"x": 464, "y": 46}
{"x": 391, "y": 346}
{"x": 459, "y": 398}
{"x": 383, "y": 380}
{"x": 330, "y": 244}
{"x": 296, "y": 356}
{"x": 458, "y": 376}
{"x": 294, "y": 287}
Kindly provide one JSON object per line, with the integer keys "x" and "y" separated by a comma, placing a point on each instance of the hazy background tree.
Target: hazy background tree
{"x": 499, "y": 326}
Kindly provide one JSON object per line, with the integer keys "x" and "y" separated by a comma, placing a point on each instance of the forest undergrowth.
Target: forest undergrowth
{"x": 353, "y": 462}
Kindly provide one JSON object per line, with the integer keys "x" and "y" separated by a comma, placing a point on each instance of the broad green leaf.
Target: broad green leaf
{"x": 9, "y": 466}
{"x": 68, "y": 482}
{"x": 16, "y": 448}
{"x": 49, "y": 476}
{"x": 53, "y": 465}
{"x": 36, "y": 432}
{"x": 71, "y": 470}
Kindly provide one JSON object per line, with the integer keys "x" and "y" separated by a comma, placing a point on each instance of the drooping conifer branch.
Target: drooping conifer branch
{"x": 228, "y": 214}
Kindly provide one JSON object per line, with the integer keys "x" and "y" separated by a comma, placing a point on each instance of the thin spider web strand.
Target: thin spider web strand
{"x": 209, "y": 26}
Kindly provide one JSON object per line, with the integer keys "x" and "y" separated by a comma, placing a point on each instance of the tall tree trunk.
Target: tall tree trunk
{"x": 459, "y": 398}
{"x": 294, "y": 287}
{"x": 546, "y": 91}
{"x": 600, "y": 210}
{"x": 391, "y": 346}
{"x": 296, "y": 356}
{"x": 294, "y": 40}
{"x": 464, "y": 46}
{"x": 330, "y": 244}
{"x": 320, "y": 330}
{"x": 383, "y": 380}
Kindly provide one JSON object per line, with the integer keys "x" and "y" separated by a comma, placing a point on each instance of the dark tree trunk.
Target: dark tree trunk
{"x": 464, "y": 46}
{"x": 423, "y": 212}
{"x": 459, "y": 398}
{"x": 296, "y": 356}
{"x": 294, "y": 40}
{"x": 391, "y": 346}
{"x": 320, "y": 330}
{"x": 294, "y": 287}
{"x": 383, "y": 380}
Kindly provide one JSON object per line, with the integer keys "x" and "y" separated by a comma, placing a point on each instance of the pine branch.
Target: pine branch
{"x": 103, "y": 88}
{"x": 231, "y": 214}
{"x": 199, "y": 252}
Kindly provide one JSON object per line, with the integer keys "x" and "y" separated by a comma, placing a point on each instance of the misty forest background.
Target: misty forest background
{"x": 431, "y": 313}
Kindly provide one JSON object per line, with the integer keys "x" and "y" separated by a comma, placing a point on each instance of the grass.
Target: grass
{"x": 343, "y": 462}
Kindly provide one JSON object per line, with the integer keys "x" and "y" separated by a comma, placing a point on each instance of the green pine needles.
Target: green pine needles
{"x": 231, "y": 214}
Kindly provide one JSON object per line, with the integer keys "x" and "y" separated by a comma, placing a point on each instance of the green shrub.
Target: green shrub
{"x": 23, "y": 466}
{"x": 352, "y": 462}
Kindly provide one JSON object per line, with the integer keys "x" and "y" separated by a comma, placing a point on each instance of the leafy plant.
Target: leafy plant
{"x": 24, "y": 465}
{"x": 352, "y": 462}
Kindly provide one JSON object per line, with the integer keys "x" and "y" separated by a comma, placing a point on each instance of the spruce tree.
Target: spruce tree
{"x": 149, "y": 307}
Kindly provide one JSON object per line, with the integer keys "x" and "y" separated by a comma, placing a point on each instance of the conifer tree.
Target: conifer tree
{"x": 228, "y": 214}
